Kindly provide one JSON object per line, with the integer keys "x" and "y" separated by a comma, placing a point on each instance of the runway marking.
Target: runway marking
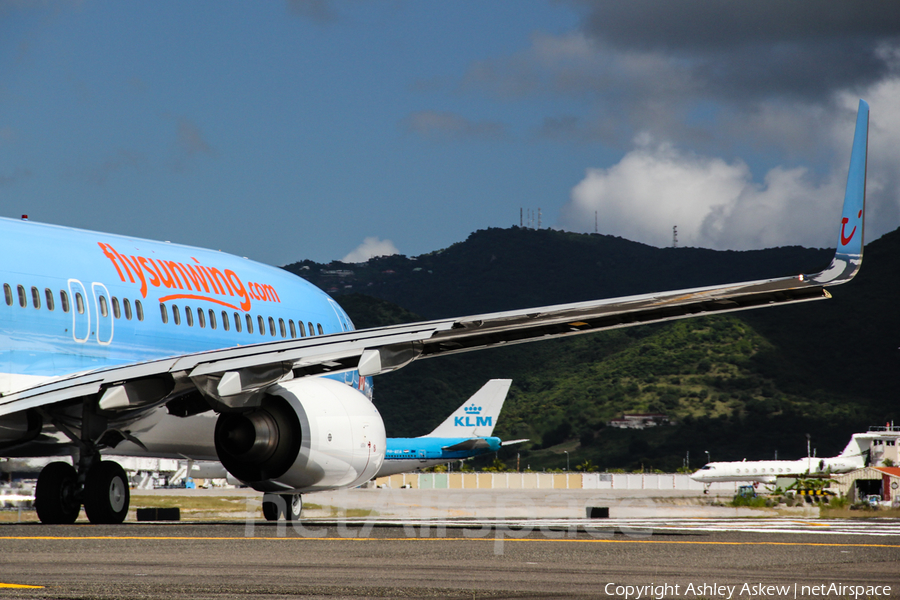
{"x": 20, "y": 586}
{"x": 441, "y": 539}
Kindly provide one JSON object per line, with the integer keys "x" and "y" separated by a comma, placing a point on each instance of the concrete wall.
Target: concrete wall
{"x": 550, "y": 481}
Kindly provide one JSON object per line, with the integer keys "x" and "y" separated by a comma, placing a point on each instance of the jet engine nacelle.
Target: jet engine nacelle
{"x": 309, "y": 434}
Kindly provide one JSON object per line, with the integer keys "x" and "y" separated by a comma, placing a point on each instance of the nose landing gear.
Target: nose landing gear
{"x": 274, "y": 506}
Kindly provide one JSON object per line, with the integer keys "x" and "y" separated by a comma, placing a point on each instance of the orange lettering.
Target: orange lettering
{"x": 134, "y": 264}
{"x": 220, "y": 280}
{"x": 195, "y": 278}
{"x": 154, "y": 279}
{"x": 270, "y": 293}
{"x": 239, "y": 288}
{"x": 175, "y": 268}
{"x": 112, "y": 255}
{"x": 166, "y": 281}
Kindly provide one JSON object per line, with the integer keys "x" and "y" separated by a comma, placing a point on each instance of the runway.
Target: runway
{"x": 547, "y": 558}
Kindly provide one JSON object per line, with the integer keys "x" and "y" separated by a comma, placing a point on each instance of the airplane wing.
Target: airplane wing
{"x": 229, "y": 375}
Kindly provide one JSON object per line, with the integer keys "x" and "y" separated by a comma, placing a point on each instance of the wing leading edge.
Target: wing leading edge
{"x": 228, "y": 373}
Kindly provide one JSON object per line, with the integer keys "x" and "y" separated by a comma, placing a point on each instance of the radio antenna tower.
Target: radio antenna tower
{"x": 539, "y": 217}
{"x": 675, "y": 236}
{"x": 596, "y": 229}
{"x": 520, "y": 216}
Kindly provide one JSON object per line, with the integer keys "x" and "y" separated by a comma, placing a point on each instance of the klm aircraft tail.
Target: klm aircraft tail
{"x": 478, "y": 415}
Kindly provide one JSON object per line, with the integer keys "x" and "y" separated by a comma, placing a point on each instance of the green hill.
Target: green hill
{"x": 736, "y": 386}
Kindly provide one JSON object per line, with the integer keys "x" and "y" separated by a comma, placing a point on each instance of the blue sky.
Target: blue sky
{"x": 285, "y": 130}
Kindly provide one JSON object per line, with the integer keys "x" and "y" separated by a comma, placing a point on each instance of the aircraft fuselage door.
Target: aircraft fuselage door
{"x": 81, "y": 313}
{"x": 103, "y": 310}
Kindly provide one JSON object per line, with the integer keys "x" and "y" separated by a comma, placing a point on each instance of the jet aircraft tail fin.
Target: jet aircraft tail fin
{"x": 848, "y": 256}
{"x": 478, "y": 415}
{"x": 853, "y": 448}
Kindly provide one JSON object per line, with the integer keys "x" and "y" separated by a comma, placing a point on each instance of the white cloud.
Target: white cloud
{"x": 714, "y": 203}
{"x": 370, "y": 248}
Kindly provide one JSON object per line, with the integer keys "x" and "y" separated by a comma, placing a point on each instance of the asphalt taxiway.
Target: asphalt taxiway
{"x": 550, "y": 558}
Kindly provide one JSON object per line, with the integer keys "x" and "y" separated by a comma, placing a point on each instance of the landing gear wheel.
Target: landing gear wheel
{"x": 54, "y": 494}
{"x": 272, "y": 506}
{"x": 294, "y": 507}
{"x": 106, "y": 493}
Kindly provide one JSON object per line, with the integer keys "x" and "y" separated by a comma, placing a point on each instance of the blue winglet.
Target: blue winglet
{"x": 848, "y": 256}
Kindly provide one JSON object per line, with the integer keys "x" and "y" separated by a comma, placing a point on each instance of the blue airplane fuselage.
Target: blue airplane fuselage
{"x": 76, "y": 300}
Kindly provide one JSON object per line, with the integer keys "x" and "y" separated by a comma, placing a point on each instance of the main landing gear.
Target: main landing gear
{"x": 274, "y": 506}
{"x": 102, "y": 487}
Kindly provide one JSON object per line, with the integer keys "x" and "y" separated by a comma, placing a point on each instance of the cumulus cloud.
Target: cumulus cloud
{"x": 370, "y": 248}
{"x": 713, "y": 203}
{"x": 448, "y": 126}
{"x": 734, "y": 120}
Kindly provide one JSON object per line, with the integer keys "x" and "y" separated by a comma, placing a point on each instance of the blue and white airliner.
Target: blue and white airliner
{"x": 113, "y": 344}
{"x": 464, "y": 434}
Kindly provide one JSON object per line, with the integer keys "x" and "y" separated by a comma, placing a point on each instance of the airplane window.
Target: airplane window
{"x": 36, "y": 297}
{"x": 226, "y": 323}
{"x": 754, "y": 470}
{"x": 104, "y": 309}
{"x": 189, "y": 316}
{"x": 48, "y": 294}
{"x": 212, "y": 319}
{"x": 302, "y": 328}
{"x": 272, "y": 326}
{"x": 23, "y": 299}
{"x": 117, "y": 312}
{"x": 311, "y": 330}
{"x": 139, "y": 310}
{"x": 64, "y": 300}
{"x": 201, "y": 318}
{"x": 237, "y": 322}
{"x": 262, "y": 324}
{"x": 281, "y": 327}
{"x": 7, "y": 291}
{"x": 319, "y": 325}
{"x": 176, "y": 316}
{"x": 163, "y": 313}
{"x": 79, "y": 303}
{"x": 126, "y": 304}
{"x": 293, "y": 328}
{"x": 249, "y": 323}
